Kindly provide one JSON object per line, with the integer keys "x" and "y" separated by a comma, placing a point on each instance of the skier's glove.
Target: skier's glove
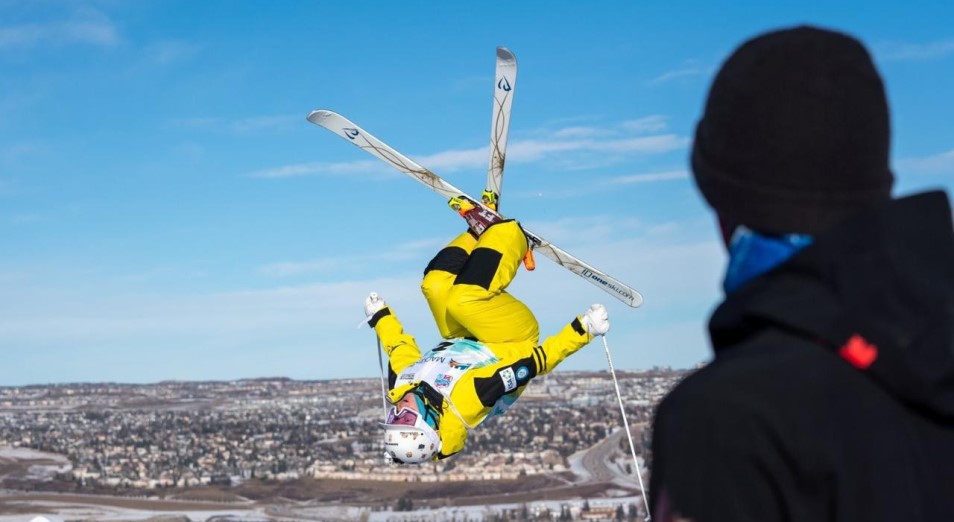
{"x": 373, "y": 303}
{"x": 596, "y": 320}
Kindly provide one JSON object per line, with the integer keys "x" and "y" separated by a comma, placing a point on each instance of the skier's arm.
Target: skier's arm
{"x": 400, "y": 347}
{"x": 574, "y": 336}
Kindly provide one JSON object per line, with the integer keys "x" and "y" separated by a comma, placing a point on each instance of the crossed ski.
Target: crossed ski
{"x": 503, "y": 98}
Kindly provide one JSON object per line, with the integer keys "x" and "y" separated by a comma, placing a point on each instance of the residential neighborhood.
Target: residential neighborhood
{"x": 183, "y": 434}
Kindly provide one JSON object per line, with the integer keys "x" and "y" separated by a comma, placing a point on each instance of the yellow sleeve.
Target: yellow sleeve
{"x": 453, "y": 434}
{"x": 558, "y": 347}
{"x": 400, "y": 347}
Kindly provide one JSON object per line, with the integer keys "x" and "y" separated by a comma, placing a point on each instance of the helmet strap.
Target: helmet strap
{"x": 432, "y": 402}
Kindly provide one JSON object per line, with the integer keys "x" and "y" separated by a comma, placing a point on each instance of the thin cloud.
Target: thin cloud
{"x": 533, "y": 150}
{"x": 295, "y": 268}
{"x": 453, "y": 160}
{"x": 900, "y": 51}
{"x": 648, "y": 145}
{"x": 90, "y": 27}
{"x": 690, "y": 70}
{"x": 581, "y": 132}
{"x": 942, "y": 163}
{"x": 629, "y": 179}
{"x": 242, "y": 125}
{"x": 654, "y": 123}
{"x": 554, "y": 145}
{"x": 409, "y": 250}
{"x": 650, "y": 178}
{"x": 15, "y": 151}
{"x": 313, "y": 169}
{"x": 24, "y": 219}
{"x": 170, "y": 52}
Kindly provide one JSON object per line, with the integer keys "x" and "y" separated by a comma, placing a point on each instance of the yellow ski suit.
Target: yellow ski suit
{"x": 465, "y": 287}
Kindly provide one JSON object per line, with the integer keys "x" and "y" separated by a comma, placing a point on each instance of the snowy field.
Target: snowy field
{"x": 56, "y": 512}
{"x": 43, "y": 466}
{"x": 39, "y": 465}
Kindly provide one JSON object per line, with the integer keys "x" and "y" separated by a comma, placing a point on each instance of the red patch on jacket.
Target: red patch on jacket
{"x": 859, "y": 352}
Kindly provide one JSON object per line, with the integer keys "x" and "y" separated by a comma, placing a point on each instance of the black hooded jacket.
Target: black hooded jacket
{"x": 831, "y": 394}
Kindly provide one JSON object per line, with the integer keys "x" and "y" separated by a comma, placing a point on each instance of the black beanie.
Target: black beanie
{"x": 795, "y": 134}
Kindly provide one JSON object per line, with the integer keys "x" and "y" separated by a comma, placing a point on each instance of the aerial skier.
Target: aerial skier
{"x": 491, "y": 347}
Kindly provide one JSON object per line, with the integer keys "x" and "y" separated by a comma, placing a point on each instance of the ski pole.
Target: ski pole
{"x": 384, "y": 388}
{"x": 384, "y": 396}
{"x": 629, "y": 436}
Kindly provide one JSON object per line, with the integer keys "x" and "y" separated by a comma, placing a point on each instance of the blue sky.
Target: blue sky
{"x": 166, "y": 212}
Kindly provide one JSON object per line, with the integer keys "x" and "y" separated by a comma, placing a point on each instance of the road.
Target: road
{"x": 597, "y": 461}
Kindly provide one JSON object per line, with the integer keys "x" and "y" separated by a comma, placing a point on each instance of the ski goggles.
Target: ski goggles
{"x": 405, "y": 417}
{"x": 426, "y": 414}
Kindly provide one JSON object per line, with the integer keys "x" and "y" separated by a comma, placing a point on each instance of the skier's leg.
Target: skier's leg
{"x": 478, "y": 299}
{"x": 439, "y": 277}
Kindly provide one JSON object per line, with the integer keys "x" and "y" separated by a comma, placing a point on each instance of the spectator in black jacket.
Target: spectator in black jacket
{"x": 831, "y": 394}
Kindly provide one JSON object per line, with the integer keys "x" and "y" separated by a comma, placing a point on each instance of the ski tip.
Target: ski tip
{"x": 505, "y": 54}
{"x": 317, "y": 115}
{"x": 637, "y": 300}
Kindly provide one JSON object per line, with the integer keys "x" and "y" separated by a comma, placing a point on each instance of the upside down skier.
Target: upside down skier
{"x": 491, "y": 347}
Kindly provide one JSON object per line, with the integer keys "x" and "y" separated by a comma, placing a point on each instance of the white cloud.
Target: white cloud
{"x": 356, "y": 263}
{"x": 170, "y": 52}
{"x": 24, "y": 219}
{"x": 549, "y": 145}
{"x": 242, "y": 125}
{"x": 14, "y": 151}
{"x": 535, "y": 150}
{"x": 311, "y": 169}
{"x": 942, "y": 163}
{"x": 649, "y": 178}
{"x": 87, "y": 27}
{"x": 602, "y": 186}
{"x": 900, "y": 51}
{"x": 293, "y": 268}
{"x": 654, "y": 123}
{"x": 313, "y": 324}
{"x": 689, "y": 70}
{"x": 452, "y": 160}
{"x": 581, "y": 132}
{"x": 265, "y": 123}
{"x": 648, "y": 145}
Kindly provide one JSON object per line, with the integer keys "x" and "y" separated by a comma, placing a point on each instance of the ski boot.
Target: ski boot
{"x": 477, "y": 217}
{"x": 489, "y": 199}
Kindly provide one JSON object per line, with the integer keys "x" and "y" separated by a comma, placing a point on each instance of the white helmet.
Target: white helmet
{"x": 410, "y": 444}
{"x": 408, "y": 436}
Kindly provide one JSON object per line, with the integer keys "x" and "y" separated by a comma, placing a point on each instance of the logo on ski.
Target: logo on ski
{"x": 351, "y": 133}
{"x": 504, "y": 85}
{"x": 595, "y": 277}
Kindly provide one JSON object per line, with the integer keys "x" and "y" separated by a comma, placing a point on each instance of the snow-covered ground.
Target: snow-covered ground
{"x": 613, "y": 460}
{"x": 52, "y": 463}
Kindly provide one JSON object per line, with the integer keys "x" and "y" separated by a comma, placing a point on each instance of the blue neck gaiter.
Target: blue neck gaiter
{"x": 751, "y": 254}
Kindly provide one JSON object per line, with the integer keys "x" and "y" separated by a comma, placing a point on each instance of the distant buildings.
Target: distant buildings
{"x": 181, "y": 434}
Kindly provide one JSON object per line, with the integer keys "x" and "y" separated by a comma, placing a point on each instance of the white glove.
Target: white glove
{"x": 373, "y": 303}
{"x": 596, "y": 320}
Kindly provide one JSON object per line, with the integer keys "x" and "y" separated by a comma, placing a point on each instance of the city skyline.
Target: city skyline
{"x": 167, "y": 213}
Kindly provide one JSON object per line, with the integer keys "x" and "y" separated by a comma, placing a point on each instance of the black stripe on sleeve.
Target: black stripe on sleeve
{"x": 378, "y": 315}
{"x": 578, "y": 326}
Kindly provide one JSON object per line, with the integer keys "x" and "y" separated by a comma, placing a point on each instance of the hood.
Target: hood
{"x": 877, "y": 290}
